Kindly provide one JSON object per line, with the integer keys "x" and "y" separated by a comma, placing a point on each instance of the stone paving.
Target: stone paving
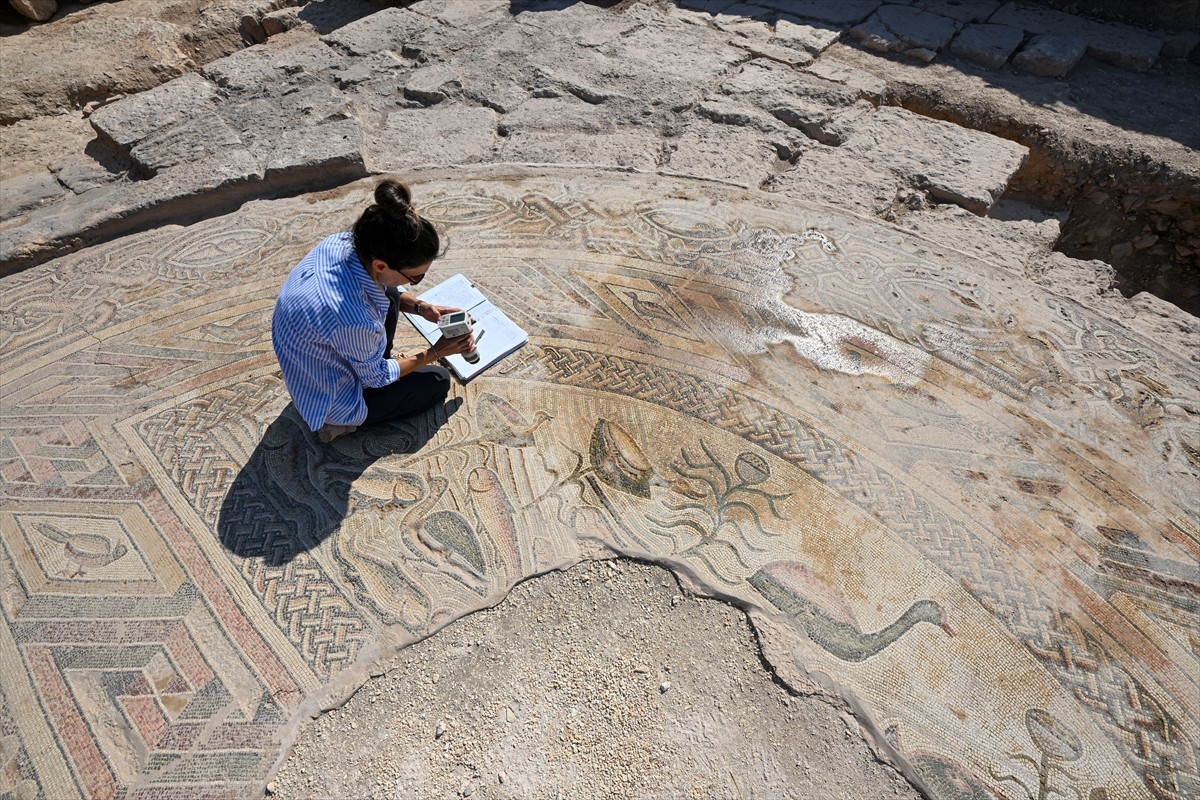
{"x": 962, "y": 499}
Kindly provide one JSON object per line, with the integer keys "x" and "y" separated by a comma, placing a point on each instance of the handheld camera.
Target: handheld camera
{"x": 456, "y": 324}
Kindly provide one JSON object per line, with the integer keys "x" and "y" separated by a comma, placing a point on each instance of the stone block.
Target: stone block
{"x": 466, "y": 13}
{"x": 749, "y": 28}
{"x": 832, "y": 176}
{"x": 432, "y": 84}
{"x": 741, "y": 11}
{"x": 126, "y": 122}
{"x": 311, "y": 58}
{"x": 1128, "y": 48}
{"x": 279, "y": 21}
{"x": 741, "y": 156}
{"x": 395, "y": 29}
{"x": 557, "y": 115}
{"x": 250, "y": 70}
{"x": 308, "y": 155}
{"x": 247, "y": 70}
{"x": 770, "y": 85}
{"x": 792, "y": 56}
{"x": 954, "y": 164}
{"x": 864, "y": 84}
{"x": 432, "y": 136}
{"x": 987, "y": 44}
{"x": 1050, "y": 56}
{"x": 813, "y": 37}
{"x": 630, "y": 148}
{"x": 25, "y": 192}
{"x": 835, "y": 12}
{"x": 312, "y": 105}
{"x": 197, "y": 140}
{"x": 36, "y": 10}
{"x": 708, "y": 6}
{"x": 961, "y": 11}
{"x": 743, "y": 115}
{"x": 827, "y": 126}
{"x": 81, "y": 174}
{"x": 1179, "y": 44}
{"x": 672, "y": 51}
{"x": 1125, "y": 46}
{"x": 903, "y": 29}
{"x": 1036, "y": 19}
{"x": 175, "y": 195}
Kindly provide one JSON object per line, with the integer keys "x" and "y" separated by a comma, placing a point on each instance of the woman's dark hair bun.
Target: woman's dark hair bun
{"x": 392, "y": 230}
{"x": 393, "y": 199}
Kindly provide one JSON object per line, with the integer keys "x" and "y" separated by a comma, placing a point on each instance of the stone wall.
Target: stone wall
{"x": 1170, "y": 14}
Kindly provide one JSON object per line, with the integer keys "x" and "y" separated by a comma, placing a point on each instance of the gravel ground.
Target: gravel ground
{"x": 604, "y": 681}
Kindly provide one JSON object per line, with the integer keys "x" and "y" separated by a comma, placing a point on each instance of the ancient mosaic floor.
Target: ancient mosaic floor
{"x": 970, "y": 506}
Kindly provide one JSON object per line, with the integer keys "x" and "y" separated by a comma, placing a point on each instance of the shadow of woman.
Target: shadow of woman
{"x": 293, "y": 491}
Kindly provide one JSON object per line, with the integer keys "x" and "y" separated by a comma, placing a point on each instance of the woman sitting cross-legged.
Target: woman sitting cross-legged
{"x": 335, "y": 320}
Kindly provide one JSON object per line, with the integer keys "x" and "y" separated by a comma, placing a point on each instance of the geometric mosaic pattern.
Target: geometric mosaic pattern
{"x": 967, "y": 504}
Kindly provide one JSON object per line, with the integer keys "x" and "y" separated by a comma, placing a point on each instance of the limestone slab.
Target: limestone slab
{"x": 198, "y": 140}
{"x": 126, "y": 122}
{"x": 815, "y": 37}
{"x": 863, "y": 84}
{"x": 394, "y": 29}
{"x": 903, "y": 29}
{"x": 23, "y": 192}
{"x": 445, "y": 134}
{"x": 834, "y": 12}
{"x": 838, "y": 178}
{"x": 81, "y": 174}
{"x": 741, "y": 156}
{"x": 1049, "y": 55}
{"x": 1123, "y": 45}
{"x": 330, "y": 151}
{"x": 987, "y": 44}
{"x": 626, "y": 148}
{"x": 954, "y": 164}
{"x": 432, "y": 84}
{"x": 961, "y": 11}
{"x": 824, "y": 110}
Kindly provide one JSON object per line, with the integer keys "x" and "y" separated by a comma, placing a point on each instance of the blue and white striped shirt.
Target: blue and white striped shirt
{"x": 329, "y": 336}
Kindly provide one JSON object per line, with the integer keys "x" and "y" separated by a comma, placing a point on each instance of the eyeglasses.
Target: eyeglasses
{"x": 413, "y": 279}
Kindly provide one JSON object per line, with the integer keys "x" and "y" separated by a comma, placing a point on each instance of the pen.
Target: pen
{"x": 479, "y": 338}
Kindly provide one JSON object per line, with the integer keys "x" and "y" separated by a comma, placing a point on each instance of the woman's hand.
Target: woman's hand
{"x": 456, "y": 346}
{"x": 434, "y": 313}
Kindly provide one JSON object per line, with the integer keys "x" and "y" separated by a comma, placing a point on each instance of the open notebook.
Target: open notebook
{"x": 496, "y": 336}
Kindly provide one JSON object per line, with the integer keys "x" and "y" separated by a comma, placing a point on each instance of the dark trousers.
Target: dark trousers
{"x": 415, "y": 392}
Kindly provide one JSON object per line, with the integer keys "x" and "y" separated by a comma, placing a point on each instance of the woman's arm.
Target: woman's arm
{"x": 409, "y": 304}
{"x": 443, "y": 347}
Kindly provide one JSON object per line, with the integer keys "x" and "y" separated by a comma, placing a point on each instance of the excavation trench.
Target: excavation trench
{"x": 1132, "y": 210}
